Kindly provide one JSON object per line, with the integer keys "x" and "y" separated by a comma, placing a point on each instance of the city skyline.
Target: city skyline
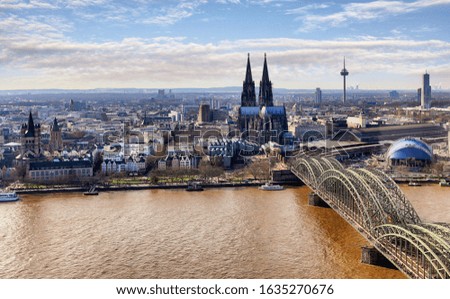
{"x": 200, "y": 44}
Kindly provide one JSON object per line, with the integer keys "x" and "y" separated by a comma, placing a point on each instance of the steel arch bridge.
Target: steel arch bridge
{"x": 374, "y": 205}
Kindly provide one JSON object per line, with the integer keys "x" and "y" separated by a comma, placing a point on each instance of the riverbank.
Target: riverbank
{"x": 280, "y": 177}
{"x": 68, "y": 189}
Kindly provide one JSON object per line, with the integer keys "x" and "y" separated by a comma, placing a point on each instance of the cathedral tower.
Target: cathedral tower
{"x": 248, "y": 96}
{"x": 265, "y": 87}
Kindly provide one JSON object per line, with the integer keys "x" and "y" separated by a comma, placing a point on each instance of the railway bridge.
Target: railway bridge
{"x": 375, "y": 206}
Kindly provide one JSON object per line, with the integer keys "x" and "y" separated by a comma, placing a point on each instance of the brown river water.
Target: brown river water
{"x": 218, "y": 233}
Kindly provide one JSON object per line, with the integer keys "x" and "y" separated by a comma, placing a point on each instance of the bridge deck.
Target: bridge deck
{"x": 375, "y": 206}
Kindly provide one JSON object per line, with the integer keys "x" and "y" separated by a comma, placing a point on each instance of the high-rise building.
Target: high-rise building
{"x": 318, "y": 99}
{"x": 425, "y": 97}
{"x": 448, "y": 145}
{"x": 204, "y": 113}
{"x": 161, "y": 93}
{"x": 394, "y": 94}
{"x": 344, "y": 73}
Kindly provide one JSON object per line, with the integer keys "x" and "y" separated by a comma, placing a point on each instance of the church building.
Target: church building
{"x": 56, "y": 143}
{"x": 261, "y": 122}
{"x": 30, "y": 139}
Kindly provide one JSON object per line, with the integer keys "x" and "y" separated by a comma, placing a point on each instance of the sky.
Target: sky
{"x": 86, "y": 44}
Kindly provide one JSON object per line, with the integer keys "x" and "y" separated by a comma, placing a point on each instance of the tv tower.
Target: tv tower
{"x": 344, "y": 73}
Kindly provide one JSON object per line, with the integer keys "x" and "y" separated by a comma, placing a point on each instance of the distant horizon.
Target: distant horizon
{"x": 225, "y": 89}
{"x": 388, "y": 45}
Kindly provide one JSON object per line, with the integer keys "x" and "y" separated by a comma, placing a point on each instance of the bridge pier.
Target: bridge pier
{"x": 316, "y": 201}
{"x": 371, "y": 256}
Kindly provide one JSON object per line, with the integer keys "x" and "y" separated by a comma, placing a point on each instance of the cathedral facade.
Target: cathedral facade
{"x": 261, "y": 122}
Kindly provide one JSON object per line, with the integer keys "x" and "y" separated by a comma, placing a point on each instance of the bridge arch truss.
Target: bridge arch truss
{"x": 374, "y": 204}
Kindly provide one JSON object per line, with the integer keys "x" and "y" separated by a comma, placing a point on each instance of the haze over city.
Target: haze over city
{"x": 180, "y": 44}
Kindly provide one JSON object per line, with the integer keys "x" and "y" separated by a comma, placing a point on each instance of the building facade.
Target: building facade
{"x": 30, "y": 139}
{"x": 318, "y": 97}
{"x": 56, "y": 143}
{"x": 410, "y": 152}
{"x": 425, "y": 96}
{"x": 263, "y": 122}
{"x": 57, "y": 170}
{"x": 204, "y": 113}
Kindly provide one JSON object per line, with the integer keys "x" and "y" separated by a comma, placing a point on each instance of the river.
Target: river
{"x": 218, "y": 233}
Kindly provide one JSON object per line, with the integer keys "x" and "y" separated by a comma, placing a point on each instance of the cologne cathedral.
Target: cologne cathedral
{"x": 262, "y": 121}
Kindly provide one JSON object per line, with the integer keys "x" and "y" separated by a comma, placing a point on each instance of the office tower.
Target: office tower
{"x": 425, "y": 97}
{"x": 204, "y": 114}
{"x": 318, "y": 100}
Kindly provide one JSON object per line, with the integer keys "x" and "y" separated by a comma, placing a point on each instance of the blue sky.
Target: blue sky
{"x": 84, "y": 44}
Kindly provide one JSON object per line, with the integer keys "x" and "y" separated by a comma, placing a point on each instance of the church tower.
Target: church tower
{"x": 265, "y": 87}
{"x": 30, "y": 137}
{"x": 55, "y": 137}
{"x": 248, "y": 96}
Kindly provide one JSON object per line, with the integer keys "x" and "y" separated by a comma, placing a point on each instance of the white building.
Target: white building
{"x": 357, "y": 121}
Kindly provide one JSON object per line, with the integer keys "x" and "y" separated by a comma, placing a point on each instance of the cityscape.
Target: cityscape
{"x": 349, "y": 144}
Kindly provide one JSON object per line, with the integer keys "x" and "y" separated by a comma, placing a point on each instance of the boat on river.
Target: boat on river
{"x": 444, "y": 183}
{"x": 192, "y": 186}
{"x": 91, "y": 191}
{"x": 8, "y": 196}
{"x": 414, "y": 184}
{"x": 271, "y": 187}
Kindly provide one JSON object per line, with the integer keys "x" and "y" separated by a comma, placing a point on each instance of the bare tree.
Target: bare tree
{"x": 239, "y": 174}
{"x": 21, "y": 172}
{"x": 208, "y": 172}
{"x": 151, "y": 162}
{"x": 259, "y": 169}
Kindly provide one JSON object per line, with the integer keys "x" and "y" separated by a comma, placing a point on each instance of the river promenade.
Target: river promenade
{"x": 124, "y": 187}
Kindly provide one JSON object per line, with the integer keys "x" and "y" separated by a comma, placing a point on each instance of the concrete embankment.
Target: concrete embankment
{"x": 282, "y": 177}
{"x": 129, "y": 187}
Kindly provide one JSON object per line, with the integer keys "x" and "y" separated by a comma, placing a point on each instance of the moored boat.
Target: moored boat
{"x": 444, "y": 183}
{"x": 192, "y": 186}
{"x": 8, "y": 196}
{"x": 270, "y": 187}
{"x": 414, "y": 184}
{"x": 92, "y": 191}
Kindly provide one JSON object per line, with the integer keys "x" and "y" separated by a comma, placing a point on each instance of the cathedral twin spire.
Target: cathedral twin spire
{"x": 265, "y": 87}
{"x": 248, "y": 96}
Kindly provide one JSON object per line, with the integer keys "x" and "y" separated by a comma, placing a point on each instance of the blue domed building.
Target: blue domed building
{"x": 411, "y": 152}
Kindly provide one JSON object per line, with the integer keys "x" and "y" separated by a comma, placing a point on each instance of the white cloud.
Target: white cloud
{"x": 81, "y": 3}
{"x": 36, "y": 53}
{"x": 17, "y": 4}
{"x": 228, "y": 1}
{"x": 359, "y": 11}
{"x": 307, "y": 8}
{"x": 173, "y": 14}
{"x": 177, "y": 62}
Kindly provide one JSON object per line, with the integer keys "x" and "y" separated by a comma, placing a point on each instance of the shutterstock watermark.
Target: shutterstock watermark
{"x": 247, "y": 143}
